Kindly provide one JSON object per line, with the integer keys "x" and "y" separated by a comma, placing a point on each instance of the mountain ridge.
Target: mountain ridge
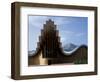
{"x": 68, "y": 48}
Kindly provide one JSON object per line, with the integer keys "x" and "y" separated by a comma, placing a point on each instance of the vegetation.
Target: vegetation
{"x": 84, "y": 61}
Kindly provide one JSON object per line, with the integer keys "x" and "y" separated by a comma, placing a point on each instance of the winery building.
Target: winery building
{"x": 49, "y": 49}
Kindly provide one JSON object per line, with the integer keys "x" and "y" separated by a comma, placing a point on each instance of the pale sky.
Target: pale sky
{"x": 71, "y": 29}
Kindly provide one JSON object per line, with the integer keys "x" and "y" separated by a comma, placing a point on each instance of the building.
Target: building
{"x": 49, "y": 50}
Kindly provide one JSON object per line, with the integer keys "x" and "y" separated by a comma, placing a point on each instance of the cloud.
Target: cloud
{"x": 63, "y": 39}
{"x": 67, "y": 34}
{"x": 61, "y": 21}
{"x": 80, "y": 34}
{"x": 38, "y": 21}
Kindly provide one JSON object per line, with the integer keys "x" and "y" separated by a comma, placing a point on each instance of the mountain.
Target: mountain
{"x": 30, "y": 53}
{"x": 69, "y": 47}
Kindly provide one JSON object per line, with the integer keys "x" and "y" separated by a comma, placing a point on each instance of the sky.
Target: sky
{"x": 71, "y": 29}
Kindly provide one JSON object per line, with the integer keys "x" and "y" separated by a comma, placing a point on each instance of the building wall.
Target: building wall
{"x": 34, "y": 60}
{"x": 37, "y": 60}
{"x": 79, "y": 54}
{"x": 42, "y": 61}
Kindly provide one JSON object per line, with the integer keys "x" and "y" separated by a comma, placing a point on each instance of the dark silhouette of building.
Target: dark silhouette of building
{"x": 49, "y": 49}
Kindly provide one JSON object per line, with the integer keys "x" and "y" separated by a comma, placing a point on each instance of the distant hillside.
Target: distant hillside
{"x": 30, "y": 53}
{"x": 69, "y": 47}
